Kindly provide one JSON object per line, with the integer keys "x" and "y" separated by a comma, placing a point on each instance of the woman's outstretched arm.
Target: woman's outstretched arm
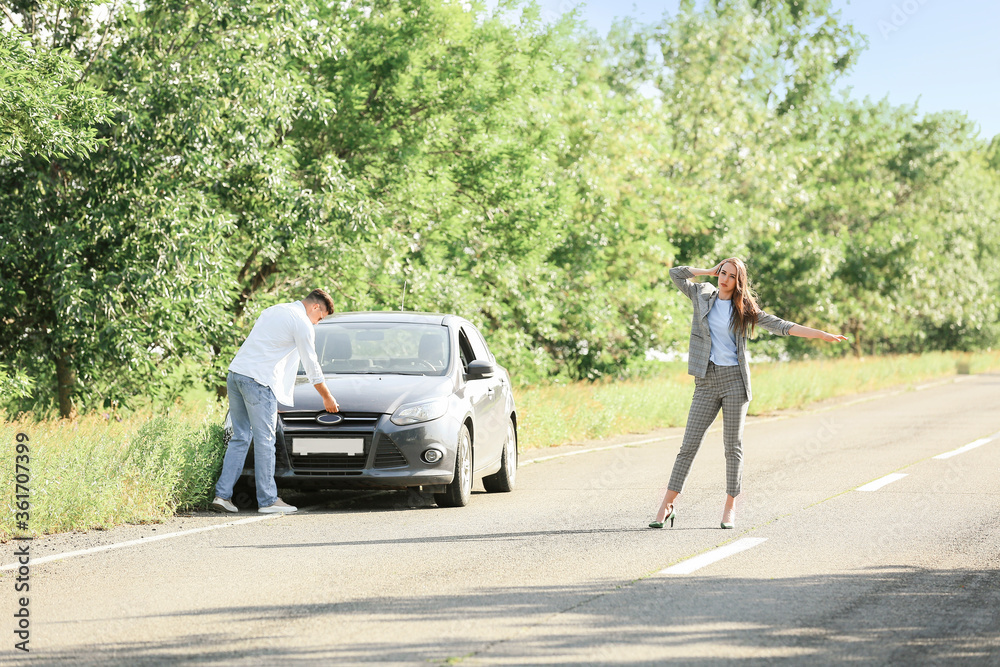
{"x": 807, "y": 332}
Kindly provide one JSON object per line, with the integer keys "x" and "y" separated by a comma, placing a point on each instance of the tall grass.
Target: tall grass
{"x": 558, "y": 414}
{"x": 575, "y": 412}
{"x": 97, "y": 472}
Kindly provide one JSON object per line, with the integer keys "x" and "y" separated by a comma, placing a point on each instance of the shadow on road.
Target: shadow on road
{"x": 895, "y": 615}
{"x": 440, "y": 539}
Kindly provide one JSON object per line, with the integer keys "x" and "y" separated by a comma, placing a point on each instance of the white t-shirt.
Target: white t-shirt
{"x": 280, "y": 337}
{"x": 723, "y": 339}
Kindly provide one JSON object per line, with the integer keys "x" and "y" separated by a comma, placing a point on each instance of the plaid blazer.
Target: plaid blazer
{"x": 703, "y": 296}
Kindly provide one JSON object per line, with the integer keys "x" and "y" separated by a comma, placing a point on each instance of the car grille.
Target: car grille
{"x": 297, "y": 419}
{"x": 302, "y": 424}
{"x": 328, "y": 464}
{"x": 389, "y": 456}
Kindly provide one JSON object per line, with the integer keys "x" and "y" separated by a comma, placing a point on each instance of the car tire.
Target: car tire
{"x": 457, "y": 493}
{"x": 244, "y": 495}
{"x": 503, "y": 480}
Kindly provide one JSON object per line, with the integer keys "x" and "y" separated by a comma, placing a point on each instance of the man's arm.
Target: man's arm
{"x": 305, "y": 341}
{"x": 329, "y": 402}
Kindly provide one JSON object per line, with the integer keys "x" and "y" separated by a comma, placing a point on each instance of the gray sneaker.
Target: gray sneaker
{"x": 220, "y": 505}
{"x": 279, "y": 507}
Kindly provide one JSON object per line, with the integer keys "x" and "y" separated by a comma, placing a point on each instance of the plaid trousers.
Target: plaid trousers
{"x": 722, "y": 387}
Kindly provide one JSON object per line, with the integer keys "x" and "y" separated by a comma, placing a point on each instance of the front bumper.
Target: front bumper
{"x": 391, "y": 456}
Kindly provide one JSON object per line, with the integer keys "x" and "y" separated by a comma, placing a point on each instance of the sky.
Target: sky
{"x": 938, "y": 54}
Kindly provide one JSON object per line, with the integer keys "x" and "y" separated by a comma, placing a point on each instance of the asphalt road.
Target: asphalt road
{"x": 564, "y": 569}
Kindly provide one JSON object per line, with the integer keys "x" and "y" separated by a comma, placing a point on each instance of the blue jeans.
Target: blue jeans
{"x": 254, "y": 413}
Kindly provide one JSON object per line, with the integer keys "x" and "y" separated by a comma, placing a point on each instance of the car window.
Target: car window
{"x": 465, "y": 350}
{"x": 479, "y": 347}
{"x": 383, "y": 347}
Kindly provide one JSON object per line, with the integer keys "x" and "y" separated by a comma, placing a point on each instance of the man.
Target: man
{"x": 262, "y": 375}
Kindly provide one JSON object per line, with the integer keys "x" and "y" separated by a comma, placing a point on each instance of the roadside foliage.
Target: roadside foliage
{"x": 169, "y": 169}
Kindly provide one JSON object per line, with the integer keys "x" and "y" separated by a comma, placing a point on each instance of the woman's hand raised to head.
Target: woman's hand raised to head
{"x": 714, "y": 271}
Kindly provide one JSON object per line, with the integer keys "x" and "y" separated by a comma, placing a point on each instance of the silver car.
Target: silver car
{"x": 423, "y": 403}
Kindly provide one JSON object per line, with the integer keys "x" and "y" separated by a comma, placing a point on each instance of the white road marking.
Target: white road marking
{"x": 882, "y": 481}
{"x": 167, "y": 536}
{"x": 938, "y": 383}
{"x": 597, "y": 449}
{"x": 696, "y": 563}
{"x": 971, "y": 445}
{"x": 144, "y": 540}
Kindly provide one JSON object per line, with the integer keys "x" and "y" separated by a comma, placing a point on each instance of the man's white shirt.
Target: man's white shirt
{"x": 281, "y": 337}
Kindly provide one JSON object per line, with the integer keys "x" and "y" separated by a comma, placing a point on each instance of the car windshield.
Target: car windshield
{"x": 383, "y": 347}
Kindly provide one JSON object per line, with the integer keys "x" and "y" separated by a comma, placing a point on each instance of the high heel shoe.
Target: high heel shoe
{"x": 671, "y": 516}
{"x": 729, "y": 518}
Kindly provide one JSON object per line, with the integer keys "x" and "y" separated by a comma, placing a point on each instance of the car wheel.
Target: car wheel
{"x": 457, "y": 493}
{"x": 503, "y": 480}
{"x": 244, "y": 495}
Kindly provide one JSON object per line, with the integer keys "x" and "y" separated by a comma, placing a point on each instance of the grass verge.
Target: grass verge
{"x": 557, "y": 415}
{"x": 96, "y": 472}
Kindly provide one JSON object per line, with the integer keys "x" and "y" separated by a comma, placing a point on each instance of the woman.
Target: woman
{"x": 724, "y": 318}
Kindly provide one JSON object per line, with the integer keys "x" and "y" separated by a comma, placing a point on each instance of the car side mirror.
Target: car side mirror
{"x": 480, "y": 369}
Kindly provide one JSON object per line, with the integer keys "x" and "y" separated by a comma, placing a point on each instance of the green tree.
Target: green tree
{"x": 48, "y": 110}
{"x": 532, "y": 177}
{"x": 262, "y": 148}
{"x": 48, "y": 107}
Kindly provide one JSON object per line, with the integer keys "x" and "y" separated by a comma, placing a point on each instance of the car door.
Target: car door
{"x": 487, "y": 397}
{"x": 501, "y": 391}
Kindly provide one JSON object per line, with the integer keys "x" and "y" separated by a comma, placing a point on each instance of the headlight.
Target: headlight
{"x": 419, "y": 412}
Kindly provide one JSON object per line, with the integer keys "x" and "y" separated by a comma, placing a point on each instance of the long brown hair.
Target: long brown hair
{"x": 745, "y": 307}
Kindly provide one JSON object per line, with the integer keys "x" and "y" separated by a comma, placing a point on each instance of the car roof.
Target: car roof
{"x": 406, "y": 316}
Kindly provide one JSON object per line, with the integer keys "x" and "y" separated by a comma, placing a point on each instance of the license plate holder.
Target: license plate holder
{"x": 348, "y": 446}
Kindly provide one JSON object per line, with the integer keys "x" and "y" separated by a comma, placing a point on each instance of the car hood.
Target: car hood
{"x": 371, "y": 393}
